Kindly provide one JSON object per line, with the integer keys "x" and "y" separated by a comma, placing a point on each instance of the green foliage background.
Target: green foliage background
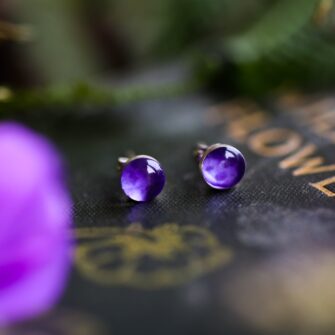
{"x": 252, "y": 46}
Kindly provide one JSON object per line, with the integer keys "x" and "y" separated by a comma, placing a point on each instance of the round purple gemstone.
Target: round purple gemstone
{"x": 142, "y": 178}
{"x": 222, "y": 166}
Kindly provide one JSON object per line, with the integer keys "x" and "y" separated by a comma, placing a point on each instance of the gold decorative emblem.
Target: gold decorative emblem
{"x": 59, "y": 322}
{"x": 167, "y": 255}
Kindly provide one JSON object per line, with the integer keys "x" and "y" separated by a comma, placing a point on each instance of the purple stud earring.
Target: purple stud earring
{"x": 222, "y": 166}
{"x": 142, "y": 177}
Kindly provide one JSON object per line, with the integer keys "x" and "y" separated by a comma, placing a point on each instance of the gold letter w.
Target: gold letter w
{"x": 305, "y": 163}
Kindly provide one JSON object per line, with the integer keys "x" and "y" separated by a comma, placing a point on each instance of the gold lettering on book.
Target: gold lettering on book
{"x": 306, "y": 164}
{"x": 319, "y": 116}
{"x": 313, "y": 110}
{"x": 242, "y": 117}
{"x": 220, "y": 113}
{"x": 322, "y": 123}
{"x": 321, "y": 186}
{"x": 245, "y": 121}
{"x": 240, "y": 128}
{"x": 275, "y": 142}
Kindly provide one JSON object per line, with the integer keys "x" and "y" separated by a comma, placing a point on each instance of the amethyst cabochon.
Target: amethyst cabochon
{"x": 142, "y": 178}
{"x": 222, "y": 166}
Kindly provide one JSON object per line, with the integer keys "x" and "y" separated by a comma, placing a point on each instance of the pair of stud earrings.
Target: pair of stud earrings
{"x": 222, "y": 167}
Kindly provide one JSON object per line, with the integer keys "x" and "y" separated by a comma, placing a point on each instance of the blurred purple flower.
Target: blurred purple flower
{"x": 35, "y": 217}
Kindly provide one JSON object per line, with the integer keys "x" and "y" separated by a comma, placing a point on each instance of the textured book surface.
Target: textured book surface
{"x": 257, "y": 259}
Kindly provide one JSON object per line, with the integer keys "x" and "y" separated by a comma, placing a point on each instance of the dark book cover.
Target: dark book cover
{"x": 256, "y": 259}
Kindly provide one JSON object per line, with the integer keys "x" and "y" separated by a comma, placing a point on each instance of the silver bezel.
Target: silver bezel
{"x": 124, "y": 164}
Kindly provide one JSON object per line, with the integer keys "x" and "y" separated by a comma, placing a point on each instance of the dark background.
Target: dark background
{"x": 104, "y": 77}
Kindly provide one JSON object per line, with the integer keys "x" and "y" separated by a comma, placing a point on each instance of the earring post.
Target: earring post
{"x": 122, "y": 161}
{"x": 199, "y": 151}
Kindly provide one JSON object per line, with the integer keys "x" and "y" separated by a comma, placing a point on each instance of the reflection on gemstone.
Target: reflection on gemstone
{"x": 35, "y": 217}
{"x": 142, "y": 178}
{"x": 223, "y": 166}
